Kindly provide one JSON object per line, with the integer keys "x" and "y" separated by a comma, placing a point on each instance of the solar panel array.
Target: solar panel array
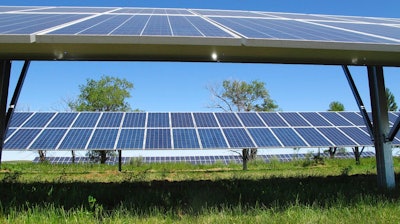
{"x": 203, "y": 130}
{"x": 199, "y": 159}
{"x": 46, "y": 23}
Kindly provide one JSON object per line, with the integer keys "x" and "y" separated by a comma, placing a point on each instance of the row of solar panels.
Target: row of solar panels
{"x": 197, "y": 23}
{"x": 130, "y": 131}
{"x": 197, "y": 159}
{"x": 187, "y": 119}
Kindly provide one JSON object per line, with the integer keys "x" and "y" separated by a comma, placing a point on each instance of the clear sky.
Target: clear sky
{"x": 181, "y": 86}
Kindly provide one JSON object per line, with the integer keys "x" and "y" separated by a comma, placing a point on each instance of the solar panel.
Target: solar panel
{"x": 103, "y": 139}
{"x": 76, "y": 139}
{"x": 134, "y": 120}
{"x": 130, "y": 131}
{"x": 48, "y": 139}
{"x": 212, "y": 138}
{"x": 185, "y": 139}
{"x": 39, "y": 120}
{"x": 63, "y": 120}
{"x": 205, "y": 120}
{"x": 238, "y": 138}
{"x": 182, "y": 120}
{"x": 158, "y": 139}
{"x": 131, "y": 139}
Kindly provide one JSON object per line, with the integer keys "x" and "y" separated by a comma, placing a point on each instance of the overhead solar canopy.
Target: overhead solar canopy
{"x": 95, "y": 33}
{"x": 138, "y": 131}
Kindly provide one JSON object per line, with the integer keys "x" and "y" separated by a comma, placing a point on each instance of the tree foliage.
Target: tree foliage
{"x": 106, "y": 94}
{"x": 336, "y": 106}
{"x": 391, "y": 102}
{"x": 242, "y": 96}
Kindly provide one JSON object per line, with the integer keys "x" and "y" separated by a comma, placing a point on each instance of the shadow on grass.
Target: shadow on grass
{"x": 194, "y": 196}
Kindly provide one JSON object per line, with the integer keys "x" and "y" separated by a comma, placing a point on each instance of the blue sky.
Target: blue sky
{"x": 182, "y": 86}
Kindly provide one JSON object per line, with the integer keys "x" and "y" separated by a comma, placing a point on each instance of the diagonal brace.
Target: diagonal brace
{"x": 360, "y": 103}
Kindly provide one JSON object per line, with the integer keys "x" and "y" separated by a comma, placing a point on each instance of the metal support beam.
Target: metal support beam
{"x": 17, "y": 92}
{"x": 380, "y": 118}
{"x": 5, "y": 70}
{"x": 360, "y": 103}
{"x": 119, "y": 160}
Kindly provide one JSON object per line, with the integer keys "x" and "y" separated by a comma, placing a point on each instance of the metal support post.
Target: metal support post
{"x": 383, "y": 148}
{"x": 119, "y": 160}
{"x": 5, "y": 70}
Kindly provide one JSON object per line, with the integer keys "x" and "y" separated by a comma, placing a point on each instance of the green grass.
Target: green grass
{"x": 335, "y": 191}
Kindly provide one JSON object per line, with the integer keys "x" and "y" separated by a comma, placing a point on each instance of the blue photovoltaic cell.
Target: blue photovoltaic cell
{"x": 181, "y": 26}
{"x": 28, "y": 24}
{"x": 9, "y": 132}
{"x": 251, "y": 120}
{"x": 63, "y": 120}
{"x": 273, "y": 120}
{"x": 103, "y": 139}
{"x": 134, "y": 120}
{"x": 185, "y": 139}
{"x": 288, "y": 137}
{"x": 15, "y": 8}
{"x": 392, "y": 117}
{"x": 206, "y": 28}
{"x": 76, "y": 139}
{"x": 238, "y": 138}
{"x": 335, "y": 119}
{"x": 228, "y": 13}
{"x": 110, "y": 120}
{"x": 315, "y": 119}
{"x": 106, "y": 25}
{"x": 75, "y": 9}
{"x": 86, "y": 120}
{"x": 21, "y": 139}
{"x": 131, "y": 139}
{"x": 158, "y": 139}
{"x": 19, "y": 118}
{"x": 264, "y": 137}
{"x": 228, "y": 120}
{"x": 354, "y": 118}
{"x": 133, "y": 26}
{"x": 357, "y": 135}
{"x": 48, "y": 139}
{"x": 205, "y": 120}
{"x": 300, "y": 16}
{"x": 375, "y": 29}
{"x": 39, "y": 120}
{"x": 158, "y": 120}
{"x": 182, "y": 120}
{"x": 212, "y": 138}
{"x": 157, "y": 26}
{"x": 291, "y": 30}
{"x": 313, "y": 137}
{"x": 337, "y": 137}
{"x": 294, "y": 119}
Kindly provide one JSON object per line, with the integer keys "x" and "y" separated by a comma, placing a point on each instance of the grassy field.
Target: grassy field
{"x": 304, "y": 191}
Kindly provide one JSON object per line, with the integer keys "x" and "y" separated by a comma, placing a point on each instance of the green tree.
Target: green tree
{"x": 242, "y": 96}
{"x": 336, "y": 106}
{"x": 391, "y": 102}
{"x": 106, "y": 94}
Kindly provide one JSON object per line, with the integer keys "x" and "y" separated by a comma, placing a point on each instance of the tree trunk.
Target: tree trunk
{"x": 332, "y": 151}
{"x": 245, "y": 158}
{"x": 42, "y": 155}
{"x": 103, "y": 156}
{"x": 253, "y": 154}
